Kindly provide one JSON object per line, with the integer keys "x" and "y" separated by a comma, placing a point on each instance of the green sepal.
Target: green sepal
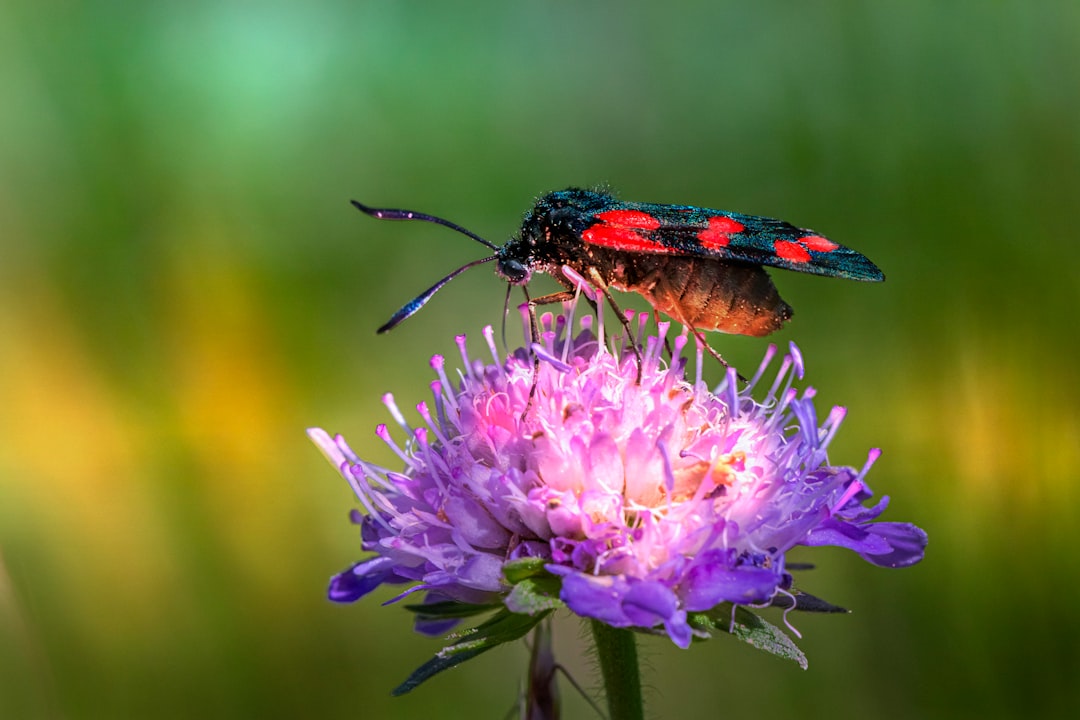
{"x": 503, "y": 627}
{"x": 804, "y": 602}
{"x": 517, "y": 570}
{"x": 535, "y": 594}
{"x": 751, "y": 629}
{"x": 535, "y": 589}
{"x": 450, "y": 609}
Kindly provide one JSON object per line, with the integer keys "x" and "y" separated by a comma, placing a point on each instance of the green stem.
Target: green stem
{"x": 617, "y": 653}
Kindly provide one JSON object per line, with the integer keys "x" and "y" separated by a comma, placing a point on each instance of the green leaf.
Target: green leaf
{"x": 534, "y": 595}
{"x": 805, "y": 602}
{"x": 517, "y": 570}
{"x": 451, "y": 609}
{"x": 751, "y": 629}
{"x": 503, "y": 627}
{"x": 433, "y": 667}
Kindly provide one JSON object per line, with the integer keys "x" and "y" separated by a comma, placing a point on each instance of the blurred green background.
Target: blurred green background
{"x": 184, "y": 288}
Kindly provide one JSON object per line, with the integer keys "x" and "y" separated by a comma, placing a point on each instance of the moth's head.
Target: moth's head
{"x": 515, "y": 262}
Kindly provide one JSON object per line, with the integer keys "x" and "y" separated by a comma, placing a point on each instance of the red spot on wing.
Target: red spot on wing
{"x": 621, "y": 238}
{"x": 719, "y": 232}
{"x": 791, "y": 251}
{"x": 817, "y": 243}
{"x": 722, "y": 223}
{"x": 629, "y": 219}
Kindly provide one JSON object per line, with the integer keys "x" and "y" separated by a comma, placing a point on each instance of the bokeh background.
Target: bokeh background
{"x": 184, "y": 288}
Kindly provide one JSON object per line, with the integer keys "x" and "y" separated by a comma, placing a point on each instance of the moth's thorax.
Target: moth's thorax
{"x": 550, "y": 235}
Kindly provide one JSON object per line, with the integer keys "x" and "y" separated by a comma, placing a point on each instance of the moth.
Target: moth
{"x": 703, "y": 268}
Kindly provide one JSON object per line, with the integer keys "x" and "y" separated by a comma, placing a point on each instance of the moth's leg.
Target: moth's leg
{"x": 676, "y": 312}
{"x": 534, "y": 336}
{"x": 571, "y": 290}
{"x": 555, "y": 297}
{"x": 719, "y": 358}
{"x": 593, "y": 276}
{"x": 534, "y": 332}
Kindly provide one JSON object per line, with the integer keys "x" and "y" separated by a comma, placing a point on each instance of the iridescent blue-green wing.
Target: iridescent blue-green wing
{"x": 690, "y": 230}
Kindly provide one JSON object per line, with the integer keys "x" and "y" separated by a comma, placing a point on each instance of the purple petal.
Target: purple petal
{"x": 360, "y": 579}
{"x": 853, "y": 510}
{"x": 475, "y": 523}
{"x": 678, "y": 629}
{"x": 435, "y": 626}
{"x": 841, "y": 534}
{"x": 596, "y": 597}
{"x": 907, "y": 541}
{"x": 648, "y": 603}
{"x": 483, "y": 572}
{"x": 708, "y": 585}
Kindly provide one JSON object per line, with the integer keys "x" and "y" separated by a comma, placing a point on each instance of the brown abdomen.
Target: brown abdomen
{"x": 705, "y": 294}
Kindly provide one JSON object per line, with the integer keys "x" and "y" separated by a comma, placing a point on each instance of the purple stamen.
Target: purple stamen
{"x": 647, "y": 500}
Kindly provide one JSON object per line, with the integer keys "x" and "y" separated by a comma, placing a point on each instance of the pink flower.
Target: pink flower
{"x": 649, "y": 499}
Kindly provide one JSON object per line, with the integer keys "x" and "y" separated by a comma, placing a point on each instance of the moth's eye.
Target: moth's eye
{"x": 514, "y": 271}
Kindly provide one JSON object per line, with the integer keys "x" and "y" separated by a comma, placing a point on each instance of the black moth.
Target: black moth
{"x": 702, "y": 267}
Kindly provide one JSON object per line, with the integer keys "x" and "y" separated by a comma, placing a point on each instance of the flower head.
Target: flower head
{"x": 649, "y": 498}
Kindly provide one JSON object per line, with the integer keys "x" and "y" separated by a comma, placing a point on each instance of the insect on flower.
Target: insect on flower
{"x": 642, "y": 504}
{"x": 702, "y": 267}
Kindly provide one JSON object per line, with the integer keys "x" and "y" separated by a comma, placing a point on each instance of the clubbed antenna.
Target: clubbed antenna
{"x": 413, "y": 306}
{"x": 388, "y": 214}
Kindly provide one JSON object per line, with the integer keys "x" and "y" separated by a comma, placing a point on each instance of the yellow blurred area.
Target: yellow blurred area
{"x": 80, "y": 453}
{"x": 1011, "y": 441}
{"x": 184, "y": 289}
{"x": 74, "y": 459}
{"x": 233, "y": 404}
{"x": 998, "y": 440}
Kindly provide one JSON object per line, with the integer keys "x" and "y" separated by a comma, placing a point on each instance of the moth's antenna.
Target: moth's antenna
{"x": 388, "y": 214}
{"x": 506, "y": 312}
{"x": 420, "y": 300}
